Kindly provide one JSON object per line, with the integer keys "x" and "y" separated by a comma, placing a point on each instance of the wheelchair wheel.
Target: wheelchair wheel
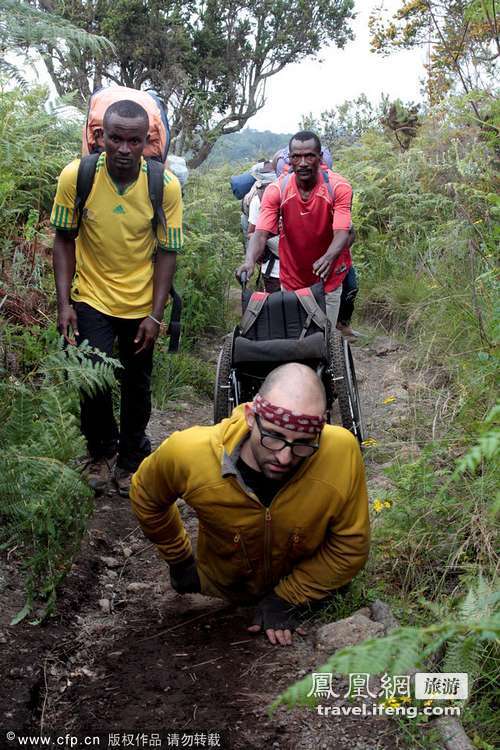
{"x": 344, "y": 384}
{"x": 223, "y": 397}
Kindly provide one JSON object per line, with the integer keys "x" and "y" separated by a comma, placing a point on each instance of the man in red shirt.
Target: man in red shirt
{"x": 311, "y": 210}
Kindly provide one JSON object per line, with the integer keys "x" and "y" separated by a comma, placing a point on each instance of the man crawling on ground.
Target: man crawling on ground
{"x": 281, "y": 501}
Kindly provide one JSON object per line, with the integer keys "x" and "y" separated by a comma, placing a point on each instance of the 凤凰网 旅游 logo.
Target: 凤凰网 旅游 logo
{"x": 119, "y": 209}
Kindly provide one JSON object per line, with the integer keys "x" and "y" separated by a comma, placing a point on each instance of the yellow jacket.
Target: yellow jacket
{"x": 313, "y": 538}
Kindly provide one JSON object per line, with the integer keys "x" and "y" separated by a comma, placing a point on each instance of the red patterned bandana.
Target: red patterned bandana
{"x": 290, "y": 420}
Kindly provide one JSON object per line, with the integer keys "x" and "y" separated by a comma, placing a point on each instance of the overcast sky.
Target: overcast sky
{"x": 313, "y": 86}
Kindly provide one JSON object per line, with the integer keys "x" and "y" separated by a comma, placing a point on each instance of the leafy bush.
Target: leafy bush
{"x": 34, "y": 147}
{"x": 439, "y": 529}
{"x": 44, "y": 501}
{"x": 22, "y": 348}
{"x": 211, "y": 252}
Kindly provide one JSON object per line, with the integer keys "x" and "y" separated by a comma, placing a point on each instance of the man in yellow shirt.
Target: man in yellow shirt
{"x": 113, "y": 276}
{"x": 280, "y": 498}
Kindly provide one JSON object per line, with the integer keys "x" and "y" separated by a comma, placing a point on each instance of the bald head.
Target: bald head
{"x": 295, "y": 387}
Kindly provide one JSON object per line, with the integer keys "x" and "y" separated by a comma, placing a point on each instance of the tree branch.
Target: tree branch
{"x": 454, "y": 62}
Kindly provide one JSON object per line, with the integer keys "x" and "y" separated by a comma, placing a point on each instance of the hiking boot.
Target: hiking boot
{"x": 97, "y": 472}
{"x": 121, "y": 481}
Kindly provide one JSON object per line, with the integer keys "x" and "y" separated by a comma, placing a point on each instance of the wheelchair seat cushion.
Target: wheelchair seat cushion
{"x": 280, "y": 350}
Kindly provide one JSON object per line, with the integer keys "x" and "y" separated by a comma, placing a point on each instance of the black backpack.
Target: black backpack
{"x": 155, "y": 170}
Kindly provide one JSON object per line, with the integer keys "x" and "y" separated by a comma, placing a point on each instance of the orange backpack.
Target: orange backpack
{"x": 159, "y": 129}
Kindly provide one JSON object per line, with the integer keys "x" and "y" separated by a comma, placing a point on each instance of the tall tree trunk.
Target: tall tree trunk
{"x": 202, "y": 154}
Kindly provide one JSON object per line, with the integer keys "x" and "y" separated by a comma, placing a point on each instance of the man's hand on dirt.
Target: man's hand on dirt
{"x": 278, "y": 618}
{"x": 146, "y": 335}
{"x": 246, "y": 267}
{"x": 184, "y": 576}
{"x": 67, "y": 323}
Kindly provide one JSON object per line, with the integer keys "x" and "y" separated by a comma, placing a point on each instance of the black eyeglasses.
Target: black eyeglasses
{"x": 273, "y": 443}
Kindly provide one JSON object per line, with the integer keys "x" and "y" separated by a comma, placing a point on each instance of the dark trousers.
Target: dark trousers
{"x": 97, "y": 419}
{"x": 349, "y": 292}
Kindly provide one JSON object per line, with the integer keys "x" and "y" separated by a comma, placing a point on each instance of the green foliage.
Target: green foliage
{"x": 439, "y": 529}
{"x": 34, "y": 147}
{"x": 488, "y": 446}
{"x": 425, "y": 220}
{"x": 180, "y": 376}
{"x": 211, "y": 252}
{"x": 402, "y": 121}
{"x": 465, "y": 653}
{"x": 425, "y": 249}
{"x": 23, "y": 347}
{"x": 45, "y": 503}
{"x": 406, "y": 648}
{"x": 345, "y": 124}
{"x": 348, "y": 122}
{"x": 342, "y": 604}
{"x": 24, "y": 26}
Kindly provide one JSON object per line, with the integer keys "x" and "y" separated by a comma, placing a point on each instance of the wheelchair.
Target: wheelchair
{"x": 287, "y": 327}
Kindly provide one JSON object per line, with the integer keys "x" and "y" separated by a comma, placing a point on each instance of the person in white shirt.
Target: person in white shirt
{"x": 271, "y": 263}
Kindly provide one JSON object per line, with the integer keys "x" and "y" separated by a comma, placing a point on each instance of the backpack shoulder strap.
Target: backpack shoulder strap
{"x": 313, "y": 310}
{"x": 84, "y": 182}
{"x": 283, "y": 185}
{"x": 155, "y": 172}
{"x": 328, "y": 184}
{"x": 255, "y": 305}
{"x": 155, "y": 189}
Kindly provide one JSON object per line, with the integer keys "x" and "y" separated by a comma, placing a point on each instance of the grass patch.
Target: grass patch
{"x": 179, "y": 377}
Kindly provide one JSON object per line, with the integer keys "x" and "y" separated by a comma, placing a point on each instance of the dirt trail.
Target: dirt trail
{"x": 125, "y": 654}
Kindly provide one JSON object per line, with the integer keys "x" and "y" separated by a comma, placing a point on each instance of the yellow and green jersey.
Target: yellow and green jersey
{"x": 115, "y": 244}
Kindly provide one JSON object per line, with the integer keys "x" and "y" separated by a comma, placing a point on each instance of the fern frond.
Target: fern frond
{"x": 18, "y": 412}
{"x": 44, "y": 503}
{"x": 24, "y": 25}
{"x": 11, "y": 73}
{"x": 465, "y": 653}
{"x": 487, "y": 446}
{"x": 80, "y": 368}
{"x": 397, "y": 653}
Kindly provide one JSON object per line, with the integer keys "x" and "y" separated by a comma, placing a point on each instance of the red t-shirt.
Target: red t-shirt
{"x": 307, "y": 227}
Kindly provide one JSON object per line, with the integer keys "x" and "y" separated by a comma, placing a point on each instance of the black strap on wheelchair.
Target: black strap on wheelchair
{"x": 313, "y": 310}
{"x": 174, "y": 328}
{"x": 255, "y": 305}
